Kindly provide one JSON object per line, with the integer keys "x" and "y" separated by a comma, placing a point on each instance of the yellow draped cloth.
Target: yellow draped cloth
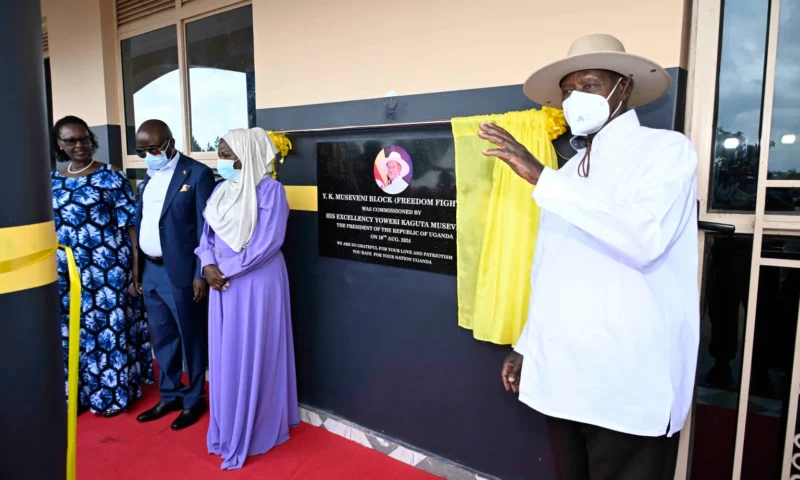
{"x": 497, "y": 223}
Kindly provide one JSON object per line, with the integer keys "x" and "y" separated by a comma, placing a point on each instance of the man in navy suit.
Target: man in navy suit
{"x": 169, "y": 220}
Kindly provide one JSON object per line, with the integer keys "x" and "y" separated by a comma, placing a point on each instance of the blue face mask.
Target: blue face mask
{"x": 226, "y": 170}
{"x": 156, "y": 162}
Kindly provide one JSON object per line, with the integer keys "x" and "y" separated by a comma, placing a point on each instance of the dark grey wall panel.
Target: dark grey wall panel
{"x": 411, "y": 108}
{"x": 110, "y": 139}
{"x": 380, "y": 346}
{"x": 446, "y": 105}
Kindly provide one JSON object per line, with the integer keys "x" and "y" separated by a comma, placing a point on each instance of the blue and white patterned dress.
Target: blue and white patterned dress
{"x": 92, "y": 216}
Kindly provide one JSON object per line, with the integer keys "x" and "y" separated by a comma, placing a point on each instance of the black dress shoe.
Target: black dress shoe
{"x": 189, "y": 416}
{"x": 112, "y": 413}
{"x": 160, "y": 410}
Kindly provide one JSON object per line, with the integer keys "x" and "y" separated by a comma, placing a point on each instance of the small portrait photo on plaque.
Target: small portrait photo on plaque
{"x": 393, "y": 170}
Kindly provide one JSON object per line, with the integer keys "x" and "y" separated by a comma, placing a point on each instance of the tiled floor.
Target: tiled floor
{"x": 404, "y": 453}
{"x": 723, "y": 398}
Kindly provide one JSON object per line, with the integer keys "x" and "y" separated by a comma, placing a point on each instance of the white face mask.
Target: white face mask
{"x": 156, "y": 162}
{"x": 226, "y": 169}
{"x": 587, "y": 113}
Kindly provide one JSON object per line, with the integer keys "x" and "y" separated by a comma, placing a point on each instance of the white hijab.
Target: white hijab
{"x": 232, "y": 210}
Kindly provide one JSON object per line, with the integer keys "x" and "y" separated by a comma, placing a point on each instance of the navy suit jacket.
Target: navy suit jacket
{"x": 181, "y": 222}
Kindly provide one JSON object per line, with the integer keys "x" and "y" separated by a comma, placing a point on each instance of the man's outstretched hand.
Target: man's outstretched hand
{"x": 512, "y": 152}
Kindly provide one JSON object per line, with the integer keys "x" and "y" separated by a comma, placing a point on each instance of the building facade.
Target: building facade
{"x": 306, "y": 67}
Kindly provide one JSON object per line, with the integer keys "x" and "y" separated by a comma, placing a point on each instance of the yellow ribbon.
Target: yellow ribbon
{"x": 283, "y": 145}
{"x": 26, "y": 257}
{"x": 27, "y": 261}
{"x": 72, "y": 366}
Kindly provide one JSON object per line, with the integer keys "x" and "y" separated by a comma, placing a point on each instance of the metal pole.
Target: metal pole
{"x": 33, "y": 422}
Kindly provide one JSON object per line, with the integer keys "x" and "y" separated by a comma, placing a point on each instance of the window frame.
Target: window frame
{"x": 179, "y": 17}
{"x": 701, "y": 124}
{"x": 700, "y": 115}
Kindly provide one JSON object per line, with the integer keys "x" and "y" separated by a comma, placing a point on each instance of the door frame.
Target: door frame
{"x": 700, "y": 113}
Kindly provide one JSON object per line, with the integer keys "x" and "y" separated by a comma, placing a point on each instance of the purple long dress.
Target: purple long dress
{"x": 251, "y": 355}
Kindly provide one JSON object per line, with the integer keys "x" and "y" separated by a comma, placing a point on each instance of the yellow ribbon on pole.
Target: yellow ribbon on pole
{"x": 26, "y": 257}
{"x": 27, "y": 261}
{"x": 73, "y": 365}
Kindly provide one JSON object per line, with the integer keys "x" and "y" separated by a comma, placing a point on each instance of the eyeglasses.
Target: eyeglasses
{"x": 71, "y": 142}
{"x": 153, "y": 150}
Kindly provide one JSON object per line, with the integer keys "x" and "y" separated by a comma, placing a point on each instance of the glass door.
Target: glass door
{"x": 745, "y": 117}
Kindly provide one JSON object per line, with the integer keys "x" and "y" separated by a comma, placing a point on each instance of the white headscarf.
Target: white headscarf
{"x": 233, "y": 209}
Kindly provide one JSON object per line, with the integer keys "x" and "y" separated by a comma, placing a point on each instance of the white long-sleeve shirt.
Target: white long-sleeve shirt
{"x": 613, "y": 324}
{"x": 155, "y": 195}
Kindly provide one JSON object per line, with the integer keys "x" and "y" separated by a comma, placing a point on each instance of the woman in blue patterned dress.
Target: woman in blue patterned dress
{"x": 94, "y": 208}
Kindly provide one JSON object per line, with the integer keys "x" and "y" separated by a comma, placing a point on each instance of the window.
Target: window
{"x": 219, "y": 74}
{"x": 719, "y": 371}
{"x": 743, "y": 46}
{"x": 784, "y": 155}
{"x": 222, "y": 79}
{"x": 151, "y": 83}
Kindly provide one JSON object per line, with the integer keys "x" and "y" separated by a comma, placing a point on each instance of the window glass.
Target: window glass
{"x": 743, "y": 44}
{"x": 151, "y": 83}
{"x": 784, "y": 147}
{"x": 222, "y": 85}
{"x": 725, "y": 299}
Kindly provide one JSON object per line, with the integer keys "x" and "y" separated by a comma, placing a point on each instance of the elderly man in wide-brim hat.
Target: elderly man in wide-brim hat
{"x": 396, "y": 169}
{"x": 609, "y": 351}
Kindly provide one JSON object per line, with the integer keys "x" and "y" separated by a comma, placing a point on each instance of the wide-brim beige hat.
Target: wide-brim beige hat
{"x": 395, "y": 157}
{"x": 599, "y": 52}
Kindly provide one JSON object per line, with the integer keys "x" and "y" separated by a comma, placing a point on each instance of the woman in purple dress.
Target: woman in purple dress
{"x": 251, "y": 356}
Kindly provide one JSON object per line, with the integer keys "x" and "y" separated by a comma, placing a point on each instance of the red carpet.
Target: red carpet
{"x": 714, "y": 434}
{"x": 121, "y": 448}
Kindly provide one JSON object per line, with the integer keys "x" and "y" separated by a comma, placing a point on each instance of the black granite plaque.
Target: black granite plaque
{"x": 390, "y": 201}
